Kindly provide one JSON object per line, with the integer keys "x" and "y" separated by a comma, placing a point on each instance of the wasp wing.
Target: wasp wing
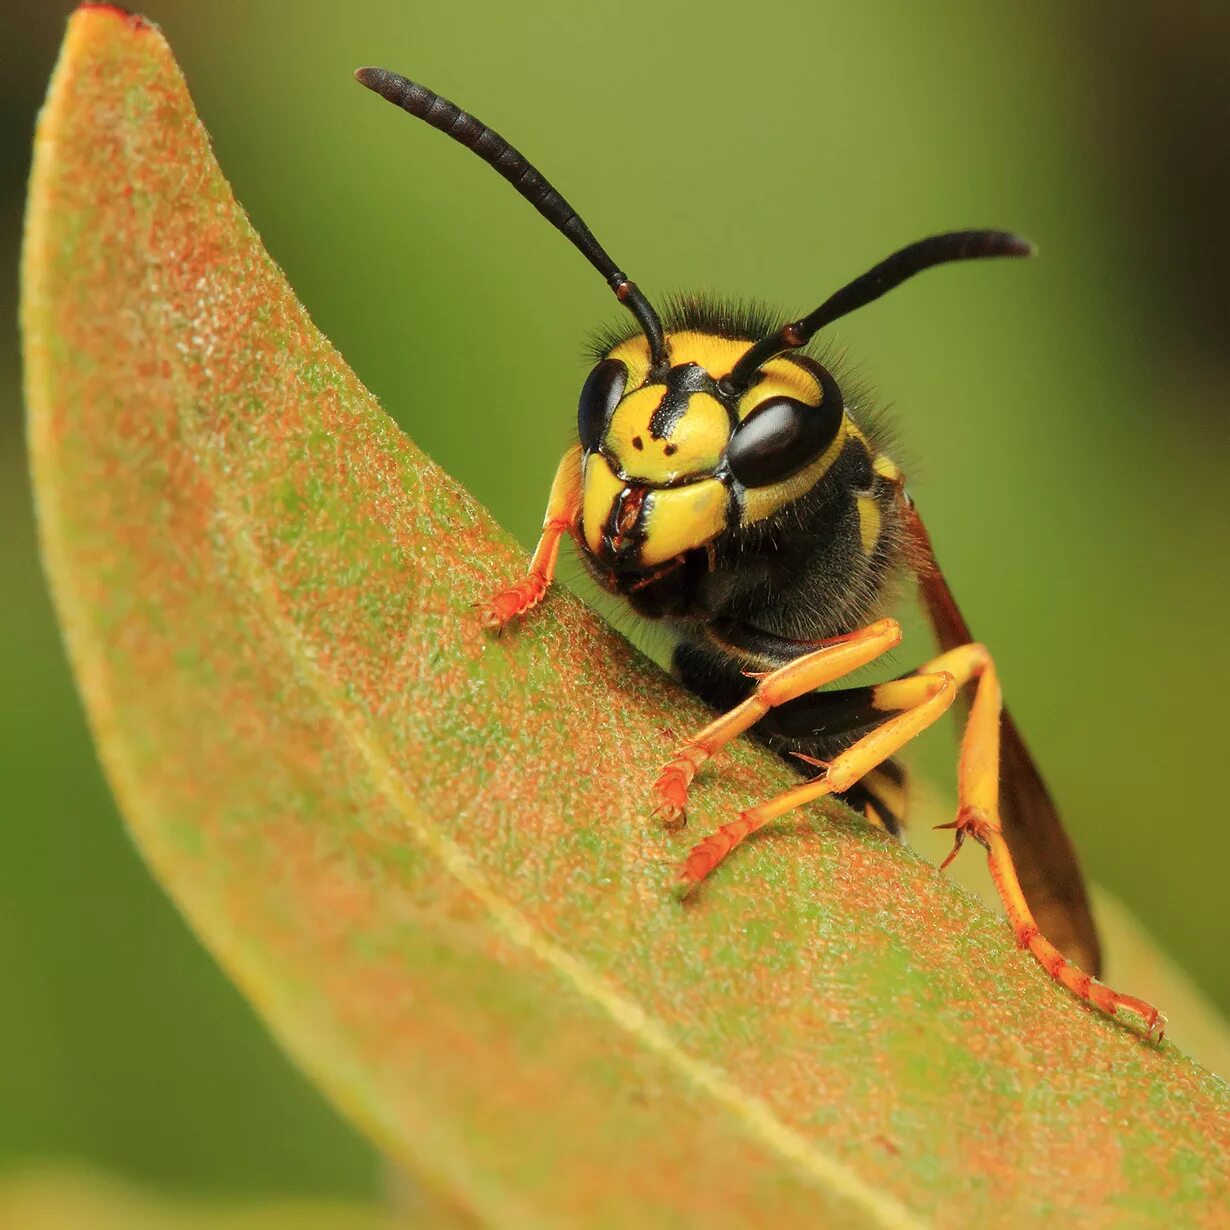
{"x": 1045, "y": 858}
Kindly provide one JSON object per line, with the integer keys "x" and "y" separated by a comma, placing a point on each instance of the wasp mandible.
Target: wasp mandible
{"x": 723, "y": 484}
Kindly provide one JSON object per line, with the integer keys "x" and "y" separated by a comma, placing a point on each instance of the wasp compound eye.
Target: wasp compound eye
{"x": 781, "y": 437}
{"x": 600, "y": 394}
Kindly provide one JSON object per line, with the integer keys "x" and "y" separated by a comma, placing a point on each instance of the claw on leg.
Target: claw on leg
{"x": 917, "y": 703}
{"x": 705, "y": 855}
{"x": 823, "y": 663}
{"x": 969, "y": 822}
{"x": 513, "y": 601}
{"x": 671, "y": 788}
{"x": 976, "y": 824}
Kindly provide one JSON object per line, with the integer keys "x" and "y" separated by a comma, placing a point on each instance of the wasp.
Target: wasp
{"x": 726, "y": 484}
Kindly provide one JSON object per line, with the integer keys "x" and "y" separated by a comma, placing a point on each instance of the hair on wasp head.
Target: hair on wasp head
{"x": 742, "y": 425}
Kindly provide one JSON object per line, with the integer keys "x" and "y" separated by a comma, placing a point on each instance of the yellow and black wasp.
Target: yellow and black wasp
{"x": 723, "y": 485}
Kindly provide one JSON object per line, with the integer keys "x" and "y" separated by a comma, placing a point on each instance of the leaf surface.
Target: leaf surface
{"x": 421, "y": 852}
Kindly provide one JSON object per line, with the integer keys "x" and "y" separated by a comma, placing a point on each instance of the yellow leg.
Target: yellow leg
{"x": 829, "y": 662}
{"x": 921, "y": 699}
{"x": 978, "y": 817}
{"x": 562, "y": 508}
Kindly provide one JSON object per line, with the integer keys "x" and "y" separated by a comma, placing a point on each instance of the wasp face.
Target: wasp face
{"x": 673, "y": 460}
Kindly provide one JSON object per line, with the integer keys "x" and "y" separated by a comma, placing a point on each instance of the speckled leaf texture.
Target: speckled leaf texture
{"x": 422, "y": 852}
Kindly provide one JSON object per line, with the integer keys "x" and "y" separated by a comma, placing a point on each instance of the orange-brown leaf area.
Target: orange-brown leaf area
{"x": 422, "y": 852}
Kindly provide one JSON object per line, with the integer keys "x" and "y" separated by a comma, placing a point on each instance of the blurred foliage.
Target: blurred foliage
{"x": 62, "y": 1199}
{"x": 1065, "y": 421}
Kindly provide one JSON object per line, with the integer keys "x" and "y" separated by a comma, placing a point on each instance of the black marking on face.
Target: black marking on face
{"x": 681, "y": 382}
{"x": 861, "y": 475}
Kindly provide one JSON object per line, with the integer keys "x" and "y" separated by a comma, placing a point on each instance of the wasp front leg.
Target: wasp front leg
{"x": 830, "y": 661}
{"x": 978, "y": 817}
{"x": 563, "y": 508}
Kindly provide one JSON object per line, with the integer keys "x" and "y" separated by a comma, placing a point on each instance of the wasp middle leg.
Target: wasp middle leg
{"x": 920, "y": 699}
{"x": 829, "y": 661}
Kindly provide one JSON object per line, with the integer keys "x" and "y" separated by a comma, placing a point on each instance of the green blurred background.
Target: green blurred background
{"x": 1065, "y": 420}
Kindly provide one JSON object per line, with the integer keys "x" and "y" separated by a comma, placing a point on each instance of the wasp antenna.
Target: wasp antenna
{"x": 878, "y": 280}
{"x": 464, "y": 128}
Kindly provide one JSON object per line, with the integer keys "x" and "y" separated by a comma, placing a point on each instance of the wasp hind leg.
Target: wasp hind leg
{"x": 563, "y": 509}
{"x": 920, "y": 699}
{"x": 978, "y": 817}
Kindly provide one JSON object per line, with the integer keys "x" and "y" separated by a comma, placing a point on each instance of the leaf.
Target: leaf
{"x": 421, "y": 851}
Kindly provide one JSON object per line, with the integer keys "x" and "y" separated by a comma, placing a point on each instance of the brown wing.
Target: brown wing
{"x": 1045, "y": 858}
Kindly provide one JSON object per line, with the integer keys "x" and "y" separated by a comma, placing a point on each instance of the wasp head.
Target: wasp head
{"x": 675, "y": 458}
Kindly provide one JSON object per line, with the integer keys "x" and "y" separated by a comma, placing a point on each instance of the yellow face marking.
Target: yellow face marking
{"x": 600, "y": 491}
{"x": 868, "y": 523}
{"x": 694, "y": 444}
{"x": 717, "y": 355}
{"x": 634, "y": 355}
{"x": 781, "y": 378}
{"x": 762, "y": 502}
{"x": 680, "y": 518}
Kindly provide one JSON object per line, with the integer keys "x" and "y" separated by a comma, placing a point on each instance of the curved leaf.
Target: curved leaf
{"x": 420, "y": 850}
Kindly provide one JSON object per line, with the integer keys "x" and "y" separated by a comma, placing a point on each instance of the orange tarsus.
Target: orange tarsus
{"x": 671, "y": 787}
{"x": 828, "y": 660}
{"x": 563, "y": 508}
{"x": 987, "y": 833}
{"x": 513, "y": 601}
{"x": 706, "y": 855}
{"x": 978, "y": 784}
